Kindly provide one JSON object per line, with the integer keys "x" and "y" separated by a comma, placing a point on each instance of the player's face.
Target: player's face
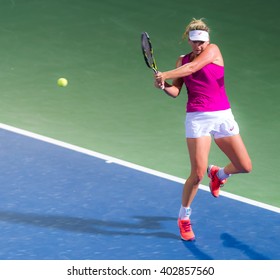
{"x": 198, "y": 46}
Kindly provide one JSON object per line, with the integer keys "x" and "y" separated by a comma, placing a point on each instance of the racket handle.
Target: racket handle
{"x": 162, "y": 86}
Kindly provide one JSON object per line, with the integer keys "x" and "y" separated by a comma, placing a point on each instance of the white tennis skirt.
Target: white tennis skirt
{"x": 217, "y": 124}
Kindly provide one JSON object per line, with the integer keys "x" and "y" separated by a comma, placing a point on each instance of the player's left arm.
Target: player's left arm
{"x": 209, "y": 55}
{"x": 173, "y": 89}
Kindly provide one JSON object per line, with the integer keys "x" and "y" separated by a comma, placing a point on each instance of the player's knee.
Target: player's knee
{"x": 247, "y": 167}
{"x": 197, "y": 177}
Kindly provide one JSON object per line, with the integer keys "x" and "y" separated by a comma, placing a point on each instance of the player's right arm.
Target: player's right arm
{"x": 173, "y": 89}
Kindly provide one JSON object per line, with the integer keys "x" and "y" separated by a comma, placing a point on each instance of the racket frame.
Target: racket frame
{"x": 151, "y": 64}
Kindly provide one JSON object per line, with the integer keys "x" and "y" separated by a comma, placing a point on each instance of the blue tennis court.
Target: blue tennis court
{"x": 59, "y": 204}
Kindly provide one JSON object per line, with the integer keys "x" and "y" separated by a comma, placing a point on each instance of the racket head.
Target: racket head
{"x": 147, "y": 50}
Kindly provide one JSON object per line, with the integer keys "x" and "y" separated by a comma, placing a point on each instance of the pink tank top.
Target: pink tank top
{"x": 206, "y": 88}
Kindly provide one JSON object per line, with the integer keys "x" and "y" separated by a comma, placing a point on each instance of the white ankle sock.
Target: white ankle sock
{"x": 222, "y": 175}
{"x": 185, "y": 213}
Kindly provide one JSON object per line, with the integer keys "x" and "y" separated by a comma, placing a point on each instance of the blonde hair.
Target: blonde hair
{"x": 195, "y": 24}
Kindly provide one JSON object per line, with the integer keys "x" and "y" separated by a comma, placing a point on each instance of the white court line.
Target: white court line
{"x": 110, "y": 159}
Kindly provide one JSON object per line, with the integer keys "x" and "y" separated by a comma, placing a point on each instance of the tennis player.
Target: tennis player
{"x": 208, "y": 115}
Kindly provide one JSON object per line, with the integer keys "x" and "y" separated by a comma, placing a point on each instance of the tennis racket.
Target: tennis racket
{"x": 148, "y": 53}
{"x": 147, "y": 50}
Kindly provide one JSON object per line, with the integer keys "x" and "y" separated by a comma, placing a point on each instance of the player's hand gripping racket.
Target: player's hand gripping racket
{"x": 147, "y": 50}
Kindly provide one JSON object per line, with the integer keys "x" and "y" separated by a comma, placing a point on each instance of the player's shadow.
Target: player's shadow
{"x": 150, "y": 226}
{"x": 231, "y": 242}
{"x": 138, "y": 226}
{"x": 199, "y": 254}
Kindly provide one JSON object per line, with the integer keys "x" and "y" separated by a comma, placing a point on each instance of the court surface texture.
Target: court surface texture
{"x": 61, "y": 202}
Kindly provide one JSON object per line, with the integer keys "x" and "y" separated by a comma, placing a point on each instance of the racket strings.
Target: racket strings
{"x": 148, "y": 52}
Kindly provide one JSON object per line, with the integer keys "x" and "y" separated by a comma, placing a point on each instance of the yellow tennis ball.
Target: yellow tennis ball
{"x": 62, "y": 82}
